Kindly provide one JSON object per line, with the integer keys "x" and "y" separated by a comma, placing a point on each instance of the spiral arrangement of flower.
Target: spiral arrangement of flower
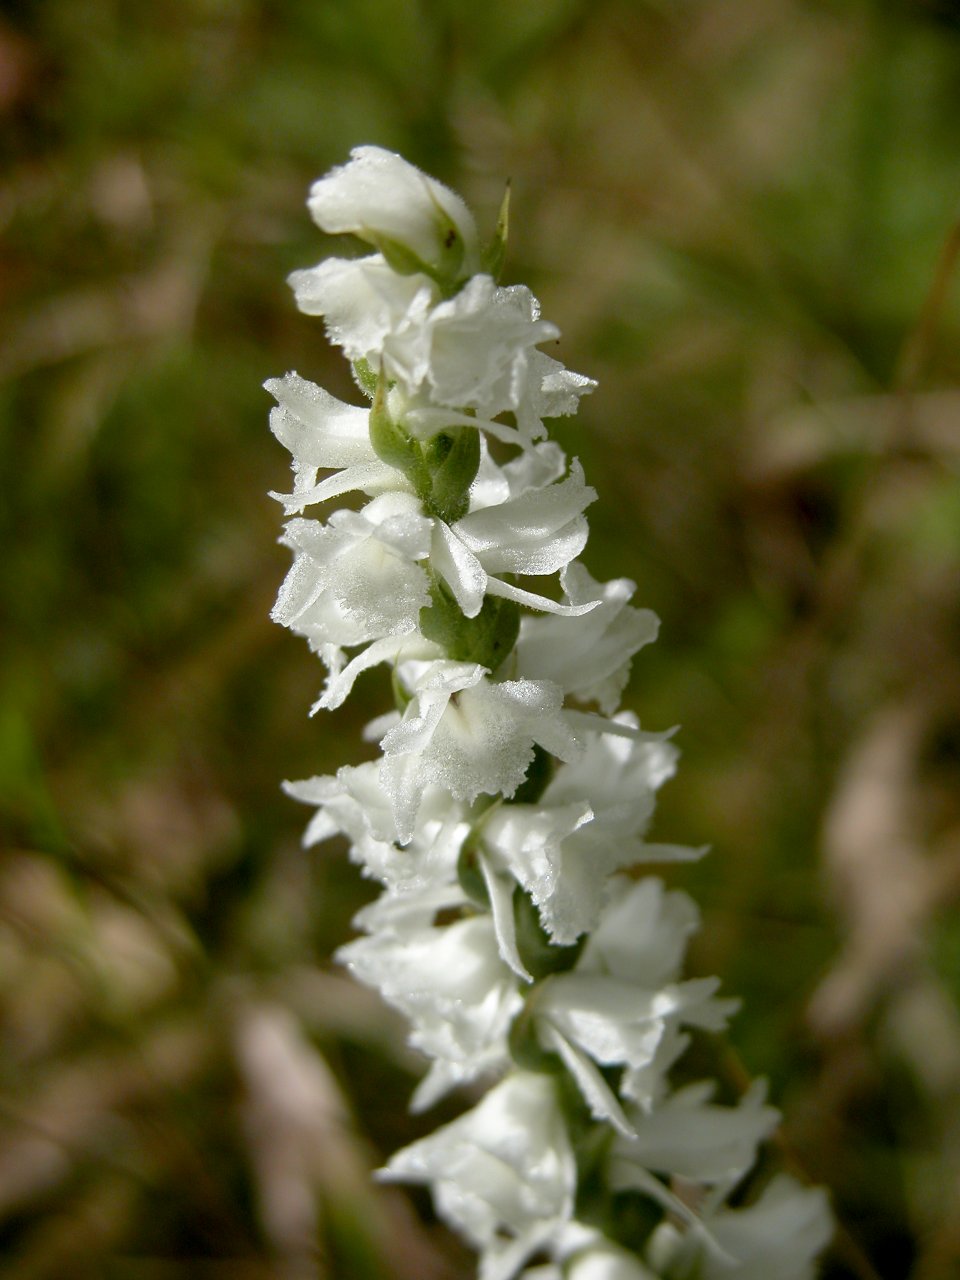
{"x": 510, "y": 795}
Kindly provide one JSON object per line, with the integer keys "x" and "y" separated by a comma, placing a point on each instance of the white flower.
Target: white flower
{"x": 589, "y": 823}
{"x": 471, "y": 351}
{"x": 536, "y": 528}
{"x": 621, "y": 1003}
{"x": 503, "y": 1174}
{"x": 350, "y": 804}
{"x": 356, "y": 578}
{"x": 643, "y": 933}
{"x": 380, "y": 196}
{"x": 588, "y": 656}
{"x": 354, "y": 804}
{"x": 318, "y": 429}
{"x": 476, "y": 353}
{"x": 322, "y": 432}
{"x": 640, "y": 941}
{"x": 537, "y": 532}
{"x": 468, "y": 734}
{"x": 591, "y": 1021}
{"x": 362, "y": 301}
{"x": 449, "y": 981}
{"x": 778, "y": 1236}
{"x": 690, "y": 1137}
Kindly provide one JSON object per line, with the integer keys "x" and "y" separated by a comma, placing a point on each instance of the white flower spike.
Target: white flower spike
{"x": 510, "y": 793}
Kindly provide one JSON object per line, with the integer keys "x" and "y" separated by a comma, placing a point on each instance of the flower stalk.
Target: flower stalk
{"x": 511, "y": 796}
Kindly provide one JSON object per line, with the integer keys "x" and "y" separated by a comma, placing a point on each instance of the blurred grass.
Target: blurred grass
{"x": 743, "y": 215}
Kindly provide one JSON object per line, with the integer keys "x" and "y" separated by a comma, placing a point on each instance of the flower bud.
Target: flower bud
{"x": 417, "y": 223}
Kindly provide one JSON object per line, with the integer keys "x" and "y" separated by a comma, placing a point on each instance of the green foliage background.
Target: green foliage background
{"x": 743, "y": 216}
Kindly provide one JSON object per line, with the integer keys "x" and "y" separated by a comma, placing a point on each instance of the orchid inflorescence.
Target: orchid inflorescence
{"x": 510, "y": 795}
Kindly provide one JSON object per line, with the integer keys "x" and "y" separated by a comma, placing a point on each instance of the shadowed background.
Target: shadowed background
{"x": 743, "y": 216}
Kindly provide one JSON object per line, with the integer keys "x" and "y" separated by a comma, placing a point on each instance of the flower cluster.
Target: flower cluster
{"x": 509, "y": 795}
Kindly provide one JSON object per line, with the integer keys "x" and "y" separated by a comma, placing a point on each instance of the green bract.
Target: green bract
{"x": 487, "y": 639}
{"x": 440, "y": 468}
{"x": 496, "y": 251}
{"x": 540, "y": 956}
